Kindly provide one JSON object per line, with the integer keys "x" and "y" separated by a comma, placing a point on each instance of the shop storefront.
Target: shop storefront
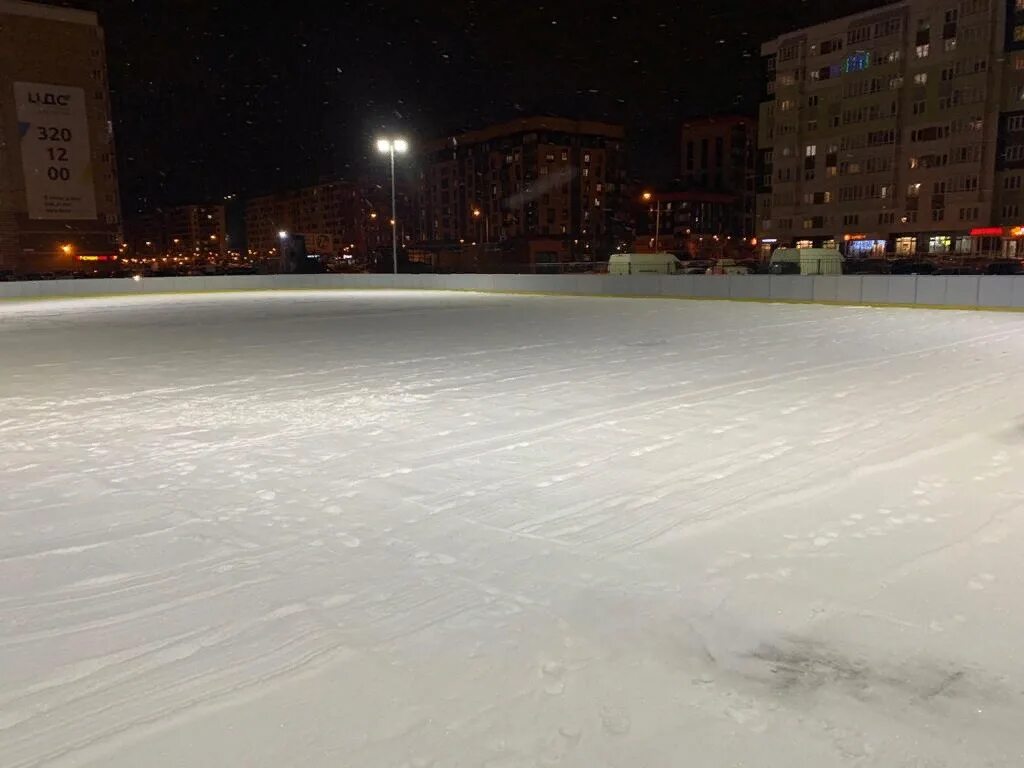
{"x": 906, "y": 246}
{"x": 865, "y": 249}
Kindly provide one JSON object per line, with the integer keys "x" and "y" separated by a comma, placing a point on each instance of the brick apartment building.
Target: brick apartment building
{"x": 336, "y": 218}
{"x": 897, "y": 130}
{"x": 718, "y": 157}
{"x": 191, "y": 231}
{"x": 536, "y": 179}
{"x": 59, "y": 201}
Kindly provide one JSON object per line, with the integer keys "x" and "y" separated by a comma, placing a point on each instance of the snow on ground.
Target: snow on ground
{"x": 422, "y": 529}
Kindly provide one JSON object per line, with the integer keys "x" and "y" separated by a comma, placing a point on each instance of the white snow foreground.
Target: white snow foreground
{"x": 422, "y": 529}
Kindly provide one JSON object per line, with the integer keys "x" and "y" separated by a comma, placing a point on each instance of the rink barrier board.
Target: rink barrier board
{"x": 923, "y": 291}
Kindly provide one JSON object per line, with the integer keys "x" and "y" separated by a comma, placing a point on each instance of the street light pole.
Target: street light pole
{"x": 657, "y": 226}
{"x": 477, "y": 213}
{"x": 394, "y": 214}
{"x": 647, "y": 197}
{"x": 389, "y": 147}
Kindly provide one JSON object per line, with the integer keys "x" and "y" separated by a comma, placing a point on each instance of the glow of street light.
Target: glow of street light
{"x": 476, "y": 212}
{"x": 647, "y": 197}
{"x": 283, "y": 235}
{"x": 401, "y": 146}
{"x": 67, "y": 248}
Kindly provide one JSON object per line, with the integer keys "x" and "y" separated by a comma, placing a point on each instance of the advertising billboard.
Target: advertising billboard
{"x": 55, "y": 152}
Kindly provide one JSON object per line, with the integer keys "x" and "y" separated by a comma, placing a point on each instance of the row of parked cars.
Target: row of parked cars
{"x": 174, "y": 271}
{"x": 937, "y": 267}
{"x": 792, "y": 261}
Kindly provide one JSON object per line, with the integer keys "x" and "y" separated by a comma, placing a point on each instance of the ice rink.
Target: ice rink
{"x": 429, "y": 530}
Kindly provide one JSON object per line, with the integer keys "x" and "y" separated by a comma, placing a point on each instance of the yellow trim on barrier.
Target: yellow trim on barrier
{"x": 820, "y": 302}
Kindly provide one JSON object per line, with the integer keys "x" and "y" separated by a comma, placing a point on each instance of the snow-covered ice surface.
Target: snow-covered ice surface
{"x": 424, "y": 529}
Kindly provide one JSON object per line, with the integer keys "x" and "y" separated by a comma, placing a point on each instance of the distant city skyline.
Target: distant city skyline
{"x": 244, "y": 99}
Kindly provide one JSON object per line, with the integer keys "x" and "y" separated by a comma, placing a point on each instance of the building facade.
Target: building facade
{"x": 718, "y": 156}
{"x": 186, "y": 231}
{"x": 59, "y": 202}
{"x": 337, "y": 219}
{"x": 536, "y": 178}
{"x": 892, "y": 131}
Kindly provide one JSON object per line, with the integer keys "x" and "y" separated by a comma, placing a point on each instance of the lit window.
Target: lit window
{"x": 922, "y": 50}
{"x": 1018, "y": 33}
{"x": 950, "y": 44}
{"x": 921, "y": 78}
{"x": 811, "y": 150}
{"x": 586, "y": 158}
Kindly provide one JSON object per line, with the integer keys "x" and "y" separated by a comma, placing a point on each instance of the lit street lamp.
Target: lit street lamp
{"x": 647, "y": 197}
{"x": 389, "y": 147}
{"x": 477, "y": 213}
{"x": 282, "y": 235}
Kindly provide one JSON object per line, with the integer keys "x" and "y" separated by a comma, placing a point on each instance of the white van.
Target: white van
{"x": 643, "y": 264}
{"x": 806, "y": 261}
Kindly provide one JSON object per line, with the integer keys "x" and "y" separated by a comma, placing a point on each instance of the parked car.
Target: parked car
{"x": 727, "y": 267}
{"x": 695, "y": 267}
{"x": 913, "y": 268}
{"x": 807, "y": 261}
{"x": 867, "y": 267}
{"x": 643, "y": 263}
{"x": 952, "y": 271}
{"x": 1004, "y": 267}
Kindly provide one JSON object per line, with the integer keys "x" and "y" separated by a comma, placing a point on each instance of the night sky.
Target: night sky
{"x": 241, "y": 97}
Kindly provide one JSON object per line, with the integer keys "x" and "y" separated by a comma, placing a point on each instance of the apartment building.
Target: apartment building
{"x": 890, "y": 131}
{"x": 328, "y": 215}
{"x": 59, "y": 201}
{"x": 189, "y": 231}
{"x": 338, "y": 218}
{"x": 197, "y": 229}
{"x": 717, "y": 156}
{"x": 539, "y": 177}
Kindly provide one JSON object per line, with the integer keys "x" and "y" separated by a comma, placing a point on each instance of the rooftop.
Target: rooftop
{"x": 528, "y": 124}
{"x": 49, "y": 12}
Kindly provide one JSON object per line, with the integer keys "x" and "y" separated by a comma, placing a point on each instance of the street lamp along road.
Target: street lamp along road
{"x": 477, "y": 213}
{"x": 390, "y": 147}
{"x": 647, "y": 197}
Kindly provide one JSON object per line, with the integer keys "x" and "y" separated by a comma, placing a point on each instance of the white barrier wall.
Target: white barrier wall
{"x": 994, "y": 292}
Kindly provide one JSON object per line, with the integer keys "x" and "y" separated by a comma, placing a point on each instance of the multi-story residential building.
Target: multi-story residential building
{"x": 1008, "y": 208}
{"x": 189, "y": 231}
{"x": 540, "y": 177}
{"x": 58, "y": 185}
{"x": 328, "y": 215}
{"x": 718, "y": 156}
{"x": 336, "y": 218}
{"x": 197, "y": 230}
{"x": 892, "y": 130}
